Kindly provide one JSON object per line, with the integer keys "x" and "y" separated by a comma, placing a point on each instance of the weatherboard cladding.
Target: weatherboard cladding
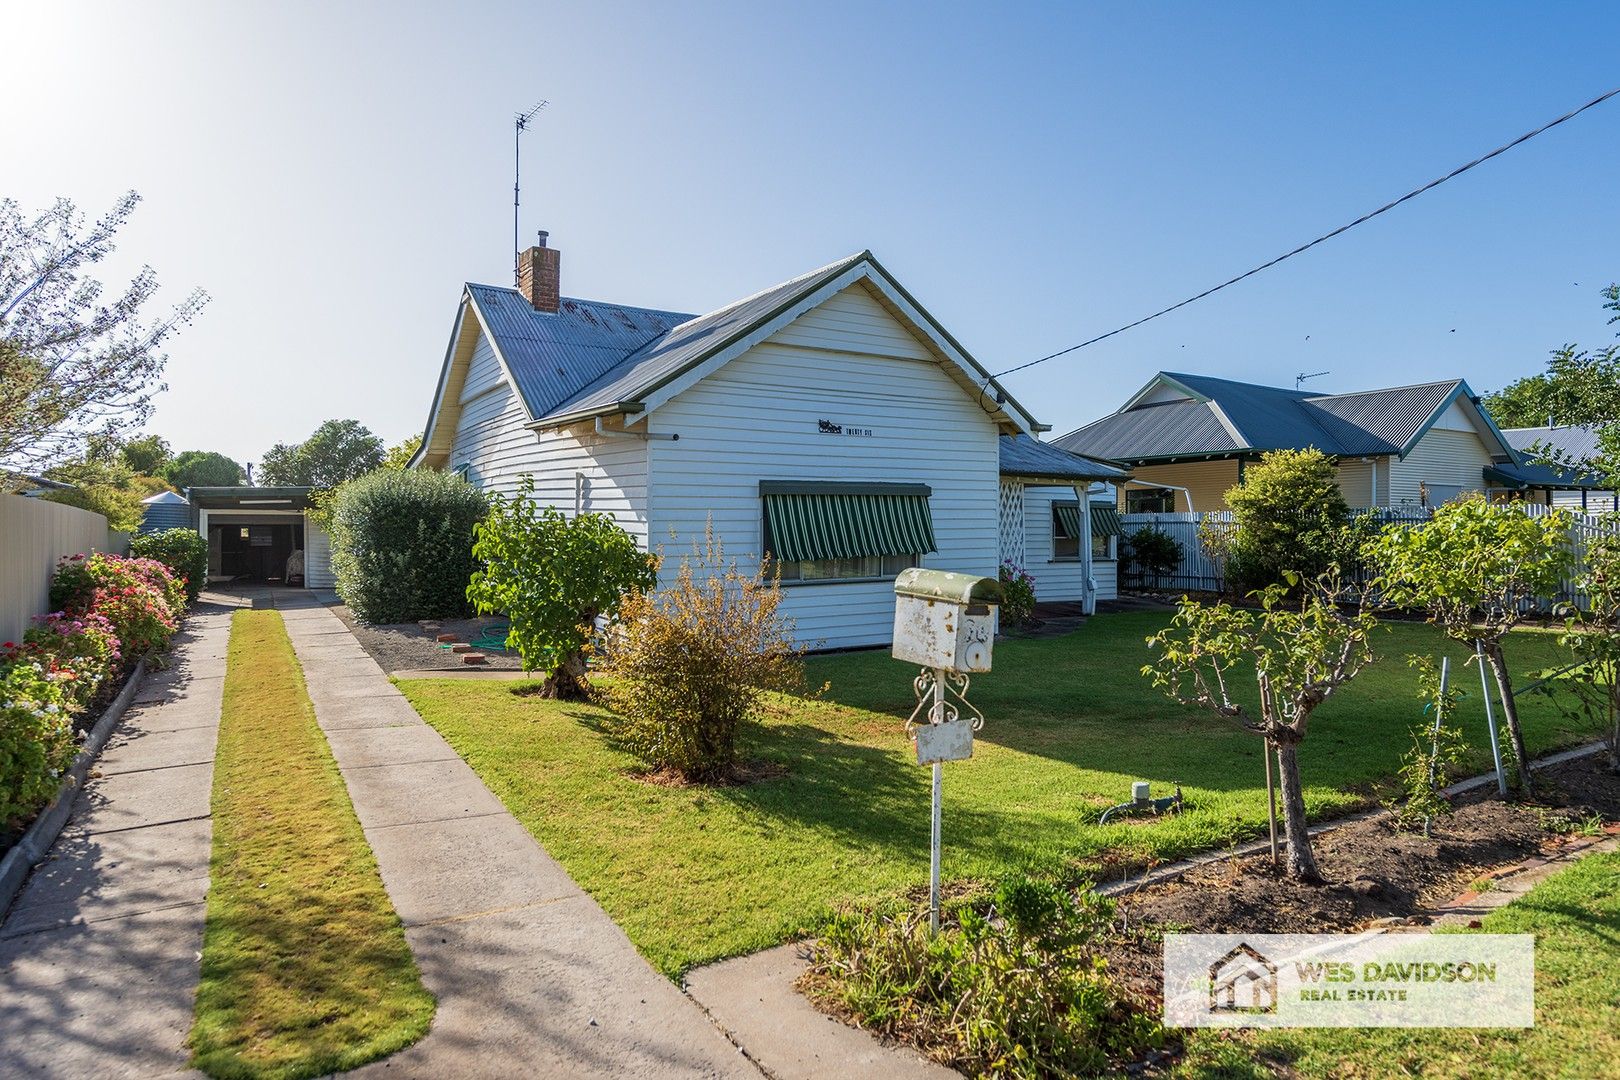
{"x": 1375, "y": 422}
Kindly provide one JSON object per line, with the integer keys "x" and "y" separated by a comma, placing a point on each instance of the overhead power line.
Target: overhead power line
{"x": 1414, "y": 193}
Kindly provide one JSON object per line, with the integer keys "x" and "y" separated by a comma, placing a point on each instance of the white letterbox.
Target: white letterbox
{"x": 945, "y": 620}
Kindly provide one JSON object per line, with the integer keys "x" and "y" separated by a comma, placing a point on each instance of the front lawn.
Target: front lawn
{"x": 697, "y": 874}
{"x": 1575, "y": 916}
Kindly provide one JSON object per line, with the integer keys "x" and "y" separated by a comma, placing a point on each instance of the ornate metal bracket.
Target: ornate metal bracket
{"x": 929, "y": 711}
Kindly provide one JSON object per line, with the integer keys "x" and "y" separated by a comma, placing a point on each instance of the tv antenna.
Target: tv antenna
{"x": 520, "y": 124}
{"x": 1299, "y": 380}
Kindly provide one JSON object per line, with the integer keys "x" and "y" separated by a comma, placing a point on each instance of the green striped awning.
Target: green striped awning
{"x": 806, "y": 521}
{"x": 1068, "y": 519}
{"x": 1105, "y": 521}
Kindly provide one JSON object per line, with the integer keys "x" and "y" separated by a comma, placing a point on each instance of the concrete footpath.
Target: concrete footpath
{"x": 532, "y": 977}
{"x": 99, "y": 955}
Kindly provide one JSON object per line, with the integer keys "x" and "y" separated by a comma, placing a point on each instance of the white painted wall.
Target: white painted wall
{"x": 498, "y": 450}
{"x": 850, "y": 362}
{"x": 1060, "y": 580}
{"x": 317, "y": 557}
{"x": 1442, "y": 457}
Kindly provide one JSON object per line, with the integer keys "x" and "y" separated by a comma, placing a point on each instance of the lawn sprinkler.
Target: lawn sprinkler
{"x": 1142, "y": 802}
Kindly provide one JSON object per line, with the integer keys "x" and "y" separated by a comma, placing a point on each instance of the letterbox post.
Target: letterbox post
{"x": 943, "y": 622}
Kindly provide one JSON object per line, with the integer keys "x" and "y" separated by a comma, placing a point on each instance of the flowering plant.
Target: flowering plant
{"x": 1018, "y": 595}
{"x": 36, "y": 736}
{"x": 140, "y": 598}
{"x": 79, "y": 652}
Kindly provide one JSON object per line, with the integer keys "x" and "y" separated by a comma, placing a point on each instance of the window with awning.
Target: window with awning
{"x": 1105, "y": 521}
{"x": 1066, "y": 530}
{"x": 835, "y": 531}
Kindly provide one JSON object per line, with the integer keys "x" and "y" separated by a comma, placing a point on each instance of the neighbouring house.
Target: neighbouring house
{"x": 34, "y": 485}
{"x": 1059, "y": 522}
{"x": 829, "y": 422}
{"x": 1187, "y": 439}
{"x": 252, "y": 532}
{"x": 1567, "y": 486}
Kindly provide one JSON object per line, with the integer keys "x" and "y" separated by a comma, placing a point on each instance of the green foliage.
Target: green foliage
{"x": 1593, "y": 638}
{"x": 202, "y": 468}
{"x": 78, "y": 652}
{"x": 1477, "y": 567}
{"x": 399, "y": 455}
{"x": 183, "y": 551}
{"x": 1151, "y": 552}
{"x": 1299, "y": 658}
{"x": 402, "y": 544}
{"x": 336, "y": 452}
{"x": 77, "y": 361}
{"x": 1018, "y": 989}
{"x": 145, "y": 456}
{"x": 1288, "y": 515}
{"x": 121, "y": 506}
{"x": 692, "y": 662}
{"x": 553, "y": 577}
{"x": 1017, "y": 595}
{"x": 1437, "y": 749}
{"x": 36, "y": 738}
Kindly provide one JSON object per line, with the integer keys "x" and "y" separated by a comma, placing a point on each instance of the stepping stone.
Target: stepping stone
{"x": 446, "y": 638}
{"x": 474, "y": 658}
{"x": 461, "y": 647}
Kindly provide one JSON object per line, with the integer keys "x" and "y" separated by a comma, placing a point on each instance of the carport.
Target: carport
{"x": 262, "y": 535}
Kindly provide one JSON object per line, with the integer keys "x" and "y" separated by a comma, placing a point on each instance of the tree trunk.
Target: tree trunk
{"x": 1510, "y": 713}
{"x": 1301, "y": 860}
{"x": 568, "y": 682}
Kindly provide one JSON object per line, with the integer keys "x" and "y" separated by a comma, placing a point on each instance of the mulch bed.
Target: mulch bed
{"x": 408, "y": 647}
{"x": 1376, "y": 873}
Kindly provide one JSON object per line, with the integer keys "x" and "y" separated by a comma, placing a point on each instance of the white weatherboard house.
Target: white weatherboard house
{"x": 829, "y": 422}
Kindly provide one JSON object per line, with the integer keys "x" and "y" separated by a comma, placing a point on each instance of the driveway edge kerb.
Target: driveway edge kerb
{"x": 36, "y": 843}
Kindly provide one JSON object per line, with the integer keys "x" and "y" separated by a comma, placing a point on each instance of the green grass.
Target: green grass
{"x": 1575, "y": 916}
{"x": 305, "y": 968}
{"x": 694, "y": 875}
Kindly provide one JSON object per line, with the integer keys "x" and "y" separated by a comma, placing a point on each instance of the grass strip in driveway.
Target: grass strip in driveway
{"x": 305, "y": 967}
{"x": 1575, "y": 915}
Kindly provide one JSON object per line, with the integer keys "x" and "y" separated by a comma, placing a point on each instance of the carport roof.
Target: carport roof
{"x": 248, "y": 499}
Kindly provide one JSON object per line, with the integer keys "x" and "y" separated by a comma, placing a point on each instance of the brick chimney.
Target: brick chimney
{"x": 539, "y": 277}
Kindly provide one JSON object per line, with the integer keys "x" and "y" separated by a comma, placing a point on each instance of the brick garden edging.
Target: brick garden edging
{"x": 36, "y": 842}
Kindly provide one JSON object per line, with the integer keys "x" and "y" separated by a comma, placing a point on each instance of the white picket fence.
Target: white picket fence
{"x": 1200, "y": 572}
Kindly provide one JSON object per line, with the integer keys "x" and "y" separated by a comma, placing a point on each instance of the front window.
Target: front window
{"x": 824, "y": 531}
{"x": 1065, "y": 530}
{"x": 1150, "y": 501}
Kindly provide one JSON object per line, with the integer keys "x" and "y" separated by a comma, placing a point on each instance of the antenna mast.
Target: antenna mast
{"x": 519, "y": 126}
{"x": 1299, "y": 380}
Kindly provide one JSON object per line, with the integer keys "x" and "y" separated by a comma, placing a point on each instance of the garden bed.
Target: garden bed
{"x": 1376, "y": 874}
{"x": 408, "y": 647}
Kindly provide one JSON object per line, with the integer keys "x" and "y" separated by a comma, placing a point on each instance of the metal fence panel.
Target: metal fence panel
{"x": 34, "y": 535}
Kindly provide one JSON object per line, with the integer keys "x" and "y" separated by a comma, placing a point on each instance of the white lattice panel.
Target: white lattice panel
{"x": 1010, "y": 513}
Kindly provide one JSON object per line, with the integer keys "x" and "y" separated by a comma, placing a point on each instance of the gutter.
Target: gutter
{"x": 609, "y": 433}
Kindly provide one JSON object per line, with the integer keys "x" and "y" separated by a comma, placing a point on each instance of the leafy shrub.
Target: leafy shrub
{"x": 1151, "y": 553}
{"x": 139, "y": 597}
{"x": 402, "y": 544}
{"x": 553, "y": 577}
{"x": 78, "y": 651}
{"x": 1020, "y": 989}
{"x": 1017, "y": 595}
{"x": 691, "y": 662}
{"x": 183, "y": 551}
{"x": 1288, "y": 516}
{"x": 36, "y": 738}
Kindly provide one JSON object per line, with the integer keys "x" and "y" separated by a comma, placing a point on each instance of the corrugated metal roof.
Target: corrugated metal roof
{"x": 657, "y": 360}
{"x": 1577, "y": 442}
{"x": 1373, "y": 422}
{"x": 1024, "y": 456}
{"x": 1570, "y": 442}
{"x": 553, "y": 357}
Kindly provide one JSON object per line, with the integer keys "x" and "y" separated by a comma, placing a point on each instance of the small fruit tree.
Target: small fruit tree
{"x": 1299, "y": 655}
{"x": 553, "y": 577}
{"x": 1594, "y": 638}
{"x": 1478, "y": 568}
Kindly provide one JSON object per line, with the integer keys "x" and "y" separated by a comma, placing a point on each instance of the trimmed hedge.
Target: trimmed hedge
{"x": 402, "y": 544}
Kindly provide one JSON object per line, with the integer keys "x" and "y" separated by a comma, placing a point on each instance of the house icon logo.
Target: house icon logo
{"x": 1243, "y": 981}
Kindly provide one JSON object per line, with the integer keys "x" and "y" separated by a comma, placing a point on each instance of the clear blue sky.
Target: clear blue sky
{"x": 331, "y": 173}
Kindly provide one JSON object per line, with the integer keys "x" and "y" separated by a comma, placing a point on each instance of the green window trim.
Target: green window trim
{"x": 807, "y": 522}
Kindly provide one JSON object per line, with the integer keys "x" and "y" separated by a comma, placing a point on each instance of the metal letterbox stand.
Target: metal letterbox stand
{"x": 945, "y": 622}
